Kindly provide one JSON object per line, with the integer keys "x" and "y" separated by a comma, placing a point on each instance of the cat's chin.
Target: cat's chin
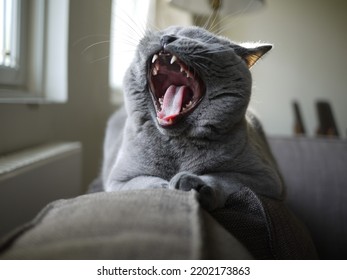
{"x": 174, "y": 130}
{"x": 175, "y": 88}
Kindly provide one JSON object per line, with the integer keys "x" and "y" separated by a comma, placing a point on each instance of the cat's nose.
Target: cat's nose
{"x": 167, "y": 39}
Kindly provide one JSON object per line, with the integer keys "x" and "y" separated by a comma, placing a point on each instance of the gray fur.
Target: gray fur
{"x": 216, "y": 149}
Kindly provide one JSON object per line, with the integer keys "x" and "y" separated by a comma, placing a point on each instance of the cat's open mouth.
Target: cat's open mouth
{"x": 176, "y": 89}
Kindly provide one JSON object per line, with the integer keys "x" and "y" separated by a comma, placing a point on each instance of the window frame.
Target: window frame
{"x": 46, "y": 55}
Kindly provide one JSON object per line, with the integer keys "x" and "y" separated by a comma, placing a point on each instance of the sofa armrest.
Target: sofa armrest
{"x": 139, "y": 224}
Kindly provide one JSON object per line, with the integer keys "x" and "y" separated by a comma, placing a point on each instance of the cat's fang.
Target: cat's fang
{"x": 173, "y": 59}
{"x": 155, "y": 57}
{"x": 155, "y": 72}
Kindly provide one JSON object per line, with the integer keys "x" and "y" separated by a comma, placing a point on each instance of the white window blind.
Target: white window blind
{"x": 8, "y": 32}
{"x": 12, "y": 35}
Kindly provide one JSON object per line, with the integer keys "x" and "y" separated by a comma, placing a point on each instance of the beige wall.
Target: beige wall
{"x": 168, "y": 15}
{"x": 84, "y": 116}
{"x": 308, "y": 62}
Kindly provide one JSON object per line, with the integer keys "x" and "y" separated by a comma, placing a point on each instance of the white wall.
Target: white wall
{"x": 308, "y": 62}
{"x": 83, "y": 117}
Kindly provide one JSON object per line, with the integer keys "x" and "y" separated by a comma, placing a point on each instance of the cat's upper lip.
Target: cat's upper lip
{"x": 176, "y": 88}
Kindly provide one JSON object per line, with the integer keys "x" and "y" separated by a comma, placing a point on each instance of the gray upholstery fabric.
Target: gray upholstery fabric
{"x": 315, "y": 172}
{"x": 266, "y": 227}
{"x": 141, "y": 224}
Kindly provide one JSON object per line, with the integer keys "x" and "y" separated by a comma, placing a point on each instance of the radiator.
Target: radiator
{"x": 31, "y": 178}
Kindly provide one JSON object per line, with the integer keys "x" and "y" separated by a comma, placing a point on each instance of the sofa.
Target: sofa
{"x": 315, "y": 172}
{"x": 170, "y": 224}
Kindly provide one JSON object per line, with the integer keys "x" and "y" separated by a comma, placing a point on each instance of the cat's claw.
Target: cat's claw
{"x": 186, "y": 181}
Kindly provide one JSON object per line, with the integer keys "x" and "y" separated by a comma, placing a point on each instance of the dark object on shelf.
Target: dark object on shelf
{"x": 299, "y": 128}
{"x": 327, "y": 125}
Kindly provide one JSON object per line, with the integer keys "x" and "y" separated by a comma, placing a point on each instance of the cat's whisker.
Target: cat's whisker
{"x": 232, "y": 22}
{"x": 128, "y": 29}
{"x": 129, "y": 41}
{"x": 128, "y": 20}
{"x": 100, "y": 59}
{"x": 128, "y": 32}
{"x": 209, "y": 21}
{"x": 216, "y": 27}
{"x": 122, "y": 37}
{"x": 84, "y": 38}
{"x": 151, "y": 25}
{"x": 214, "y": 24}
{"x": 125, "y": 49}
{"x": 93, "y": 45}
{"x": 225, "y": 28}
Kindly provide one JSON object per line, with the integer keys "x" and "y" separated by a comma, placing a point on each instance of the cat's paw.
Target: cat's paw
{"x": 186, "y": 181}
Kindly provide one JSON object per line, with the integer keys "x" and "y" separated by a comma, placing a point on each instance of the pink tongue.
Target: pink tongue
{"x": 172, "y": 102}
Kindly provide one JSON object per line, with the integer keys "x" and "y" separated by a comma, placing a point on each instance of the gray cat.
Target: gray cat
{"x": 185, "y": 125}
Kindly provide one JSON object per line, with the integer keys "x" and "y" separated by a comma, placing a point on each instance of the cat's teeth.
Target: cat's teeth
{"x": 156, "y": 66}
{"x": 155, "y": 57}
{"x": 155, "y": 72}
{"x": 161, "y": 100}
{"x": 182, "y": 70}
{"x": 187, "y": 74}
{"x": 187, "y": 106}
{"x": 173, "y": 59}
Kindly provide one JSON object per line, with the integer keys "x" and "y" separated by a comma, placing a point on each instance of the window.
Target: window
{"x": 33, "y": 46}
{"x": 12, "y": 42}
{"x": 129, "y": 22}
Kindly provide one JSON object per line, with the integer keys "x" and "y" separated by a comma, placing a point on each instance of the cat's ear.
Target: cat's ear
{"x": 251, "y": 52}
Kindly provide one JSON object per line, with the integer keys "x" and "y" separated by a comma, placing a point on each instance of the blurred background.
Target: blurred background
{"x": 61, "y": 69}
